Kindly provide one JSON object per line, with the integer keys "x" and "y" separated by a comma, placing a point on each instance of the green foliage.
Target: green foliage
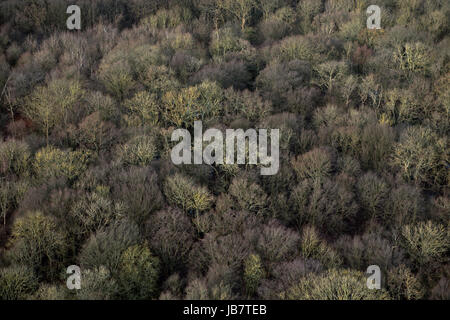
{"x": 164, "y": 18}
{"x": 38, "y": 244}
{"x": 143, "y": 109}
{"x": 31, "y": 15}
{"x": 308, "y": 9}
{"x": 201, "y": 102}
{"x": 14, "y": 158}
{"x": 420, "y": 156}
{"x": 103, "y": 104}
{"x": 313, "y": 247}
{"x": 139, "y": 151}
{"x": 405, "y": 106}
{"x": 53, "y": 105}
{"x": 253, "y": 273}
{"x": 198, "y": 289}
{"x": 296, "y": 48}
{"x": 334, "y": 285}
{"x": 17, "y": 283}
{"x": 138, "y": 273}
{"x": 158, "y": 79}
{"x": 413, "y": 57}
{"x": 225, "y": 41}
{"x": 51, "y": 162}
{"x": 97, "y": 284}
{"x": 94, "y": 212}
{"x": 185, "y": 194}
{"x": 115, "y": 74}
{"x": 403, "y": 284}
{"x": 106, "y": 246}
{"x": 425, "y": 242}
{"x": 51, "y": 292}
{"x": 144, "y": 56}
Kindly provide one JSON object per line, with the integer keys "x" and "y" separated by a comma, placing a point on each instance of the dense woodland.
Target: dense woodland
{"x": 86, "y": 177}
